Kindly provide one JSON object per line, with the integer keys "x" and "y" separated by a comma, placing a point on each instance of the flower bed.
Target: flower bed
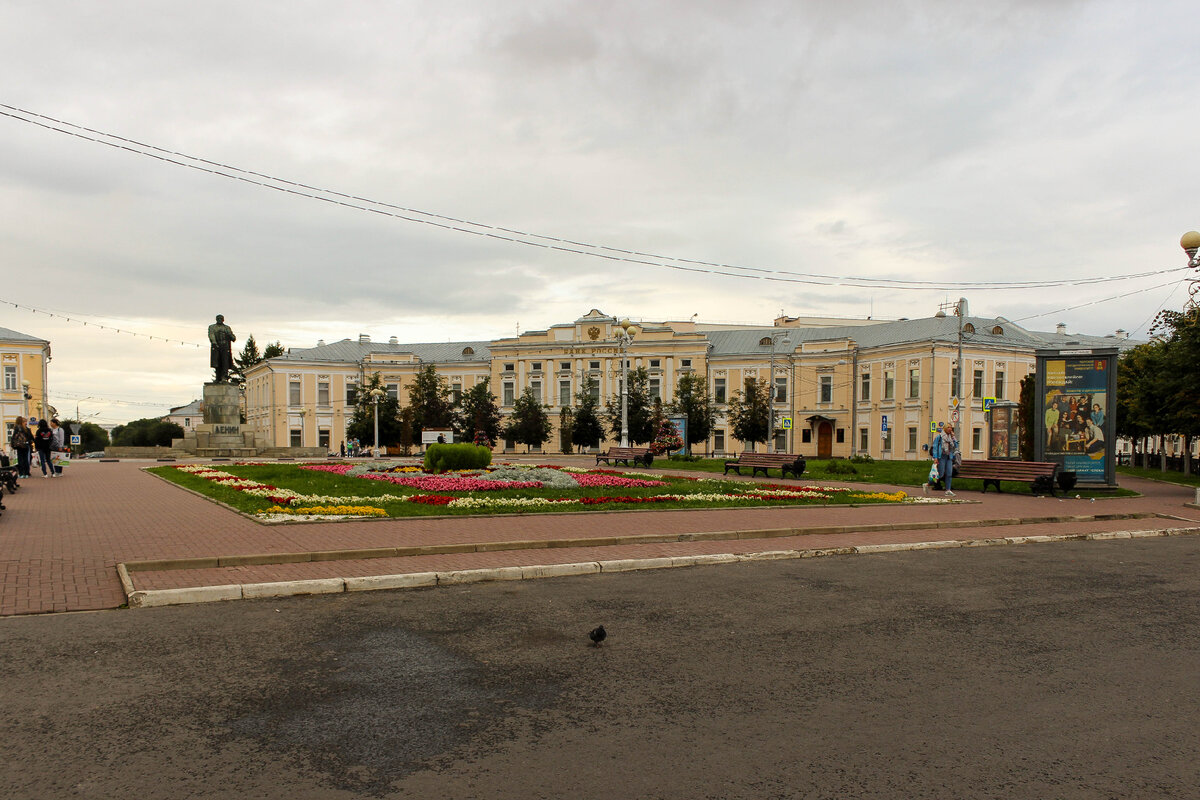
{"x": 507, "y": 488}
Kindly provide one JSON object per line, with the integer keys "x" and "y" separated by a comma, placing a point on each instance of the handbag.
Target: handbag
{"x": 934, "y": 475}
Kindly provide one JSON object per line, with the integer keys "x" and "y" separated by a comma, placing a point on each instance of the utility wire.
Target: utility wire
{"x": 522, "y": 237}
{"x": 1096, "y": 302}
{"x": 112, "y": 328}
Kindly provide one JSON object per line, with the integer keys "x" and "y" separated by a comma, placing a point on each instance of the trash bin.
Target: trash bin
{"x": 1066, "y": 480}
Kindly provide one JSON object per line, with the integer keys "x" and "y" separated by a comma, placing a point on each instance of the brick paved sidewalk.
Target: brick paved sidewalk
{"x": 61, "y": 539}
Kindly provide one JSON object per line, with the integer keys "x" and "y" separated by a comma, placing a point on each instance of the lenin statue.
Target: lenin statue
{"x": 221, "y": 338}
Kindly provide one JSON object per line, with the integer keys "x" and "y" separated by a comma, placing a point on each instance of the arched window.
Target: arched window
{"x": 998, "y": 331}
{"x": 765, "y": 341}
{"x": 468, "y": 351}
{"x": 968, "y": 328}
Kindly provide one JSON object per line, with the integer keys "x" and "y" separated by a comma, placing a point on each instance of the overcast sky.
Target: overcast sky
{"x": 925, "y": 141}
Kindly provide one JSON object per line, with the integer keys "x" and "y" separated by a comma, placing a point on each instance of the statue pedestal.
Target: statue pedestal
{"x": 222, "y": 404}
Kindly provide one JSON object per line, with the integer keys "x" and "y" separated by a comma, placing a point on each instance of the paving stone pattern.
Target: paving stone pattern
{"x": 61, "y": 539}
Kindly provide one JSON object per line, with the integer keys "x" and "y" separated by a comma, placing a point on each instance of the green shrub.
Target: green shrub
{"x": 864, "y": 459}
{"x": 445, "y": 457}
{"x": 840, "y": 468}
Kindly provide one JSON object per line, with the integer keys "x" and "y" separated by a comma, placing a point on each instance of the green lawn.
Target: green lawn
{"x": 328, "y": 489}
{"x": 893, "y": 473}
{"x": 1158, "y": 475}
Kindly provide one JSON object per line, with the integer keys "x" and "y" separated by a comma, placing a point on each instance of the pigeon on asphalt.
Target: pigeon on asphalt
{"x": 597, "y": 635}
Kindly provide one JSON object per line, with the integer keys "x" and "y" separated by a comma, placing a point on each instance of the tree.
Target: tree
{"x": 362, "y": 423}
{"x": 477, "y": 413}
{"x": 641, "y": 425}
{"x": 1180, "y": 379}
{"x": 429, "y": 399}
{"x": 251, "y": 356}
{"x": 92, "y": 436}
{"x": 1025, "y": 408}
{"x": 586, "y": 429}
{"x": 565, "y": 423}
{"x": 529, "y": 424}
{"x": 148, "y": 432}
{"x": 693, "y": 401}
{"x": 748, "y": 412}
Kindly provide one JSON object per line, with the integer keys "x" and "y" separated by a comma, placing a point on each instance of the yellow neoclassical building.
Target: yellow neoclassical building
{"x": 841, "y": 387}
{"x": 24, "y": 360}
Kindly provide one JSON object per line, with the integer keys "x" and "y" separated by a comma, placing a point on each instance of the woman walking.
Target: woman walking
{"x": 43, "y": 440}
{"x": 945, "y": 447}
{"x": 22, "y": 443}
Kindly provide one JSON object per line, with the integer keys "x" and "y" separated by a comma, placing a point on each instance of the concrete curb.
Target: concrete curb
{"x": 149, "y": 598}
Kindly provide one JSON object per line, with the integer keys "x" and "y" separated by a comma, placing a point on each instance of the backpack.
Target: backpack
{"x": 19, "y": 439}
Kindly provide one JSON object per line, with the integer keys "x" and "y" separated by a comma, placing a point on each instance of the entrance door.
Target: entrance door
{"x": 824, "y": 440}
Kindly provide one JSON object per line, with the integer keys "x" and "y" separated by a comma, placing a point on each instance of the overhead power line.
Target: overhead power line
{"x": 526, "y": 238}
{"x": 112, "y": 328}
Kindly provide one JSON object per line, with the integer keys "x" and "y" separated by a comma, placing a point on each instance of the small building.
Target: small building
{"x": 24, "y": 361}
{"x": 187, "y": 417}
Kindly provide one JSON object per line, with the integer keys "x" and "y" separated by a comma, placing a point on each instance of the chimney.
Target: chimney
{"x": 320, "y": 342}
{"x": 1122, "y": 333}
{"x": 364, "y": 338}
{"x": 1061, "y": 329}
{"x": 393, "y": 340}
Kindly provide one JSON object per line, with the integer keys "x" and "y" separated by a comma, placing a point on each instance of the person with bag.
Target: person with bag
{"x": 43, "y": 441}
{"x": 945, "y": 452}
{"x": 59, "y": 448}
{"x": 22, "y": 443}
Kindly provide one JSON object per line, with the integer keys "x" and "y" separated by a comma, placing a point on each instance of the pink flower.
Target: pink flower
{"x": 591, "y": 479}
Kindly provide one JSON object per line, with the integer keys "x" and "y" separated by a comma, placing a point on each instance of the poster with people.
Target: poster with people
{"x": 1076, "y": 405}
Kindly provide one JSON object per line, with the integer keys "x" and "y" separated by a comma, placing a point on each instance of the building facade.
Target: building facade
{"x": 24, "y": 361}
{"x": 867, "y": 387}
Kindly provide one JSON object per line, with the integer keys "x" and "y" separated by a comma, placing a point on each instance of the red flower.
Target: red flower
{"x": 432, "y": 499}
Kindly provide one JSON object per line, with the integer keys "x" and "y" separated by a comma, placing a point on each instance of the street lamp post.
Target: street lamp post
{"x": 26, "y": 397}
{"x": 1190, "y": 242}
{"x": 785, "y": 341}
{"x": 376, "y": 393}
{"x": 624, "y": 331}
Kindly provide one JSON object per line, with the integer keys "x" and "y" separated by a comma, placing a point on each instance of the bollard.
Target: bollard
{"x": 1198, "y": 495}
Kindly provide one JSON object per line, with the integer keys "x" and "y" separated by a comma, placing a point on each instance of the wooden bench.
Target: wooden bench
{"x": 630, "y": 455}
{"x": 8, "y": 474}
{"x": 1038, "y": 474}
{"x": 755, "y": 462}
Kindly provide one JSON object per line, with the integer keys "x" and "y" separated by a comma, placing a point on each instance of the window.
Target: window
{"x": 510, "y": 367}
{"x": 593, "y": 365}
{"x": 719, "y": 441}
{"x": 977, "y": 383}
{"x": 595, "y": 391}
{"x": 977, "y": 439}
{"x": 10, "y": 379}
{"x": 536, "y": 388}
{"x": 864, "y": 386}
{"x": 806, "y": 436}
{"x": 781, "y": 390}
{"x": 912, "y": 440}
{"x": 999, "y": 395}
{"x": 468, "y": 351}
{"x": 914, "y": 382}
{"x": 889, "y": 384}
{"x": 655, "y": 363}
{"x": 954, "y": 381}
{"x": 294, "y": 393}
{"x": 564, "y": 393}
{"x": 351, "y": 393}
{"x": 887, "y": 440}
{"x": 536, "y": 366}
{"x": 864, "y": 439}
{"x": 509, "y": 396}
{"x": 323, "y": 438}
{"x": 826, "y": 389}
{"x": 456, "y": 391}
{"x": 718, "y": 390}
{"x": 393, "y": 390}
{"x": 780, "y": 441}
{"x": 297, "y": 437}
{"x": 565, "y": 365}
{"x": 655, "y": 389}
{"x": 841, "y": 435}
{"x": 685, "y": 363}
{"x": 323, "y": 393}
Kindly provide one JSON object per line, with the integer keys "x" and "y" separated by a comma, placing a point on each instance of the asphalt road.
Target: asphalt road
{"x": 1063, "y": 670}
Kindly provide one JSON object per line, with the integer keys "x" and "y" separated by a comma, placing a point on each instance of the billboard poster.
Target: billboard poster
{"x": 680, "y": 423}
{"x": 1076, "y": 413}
